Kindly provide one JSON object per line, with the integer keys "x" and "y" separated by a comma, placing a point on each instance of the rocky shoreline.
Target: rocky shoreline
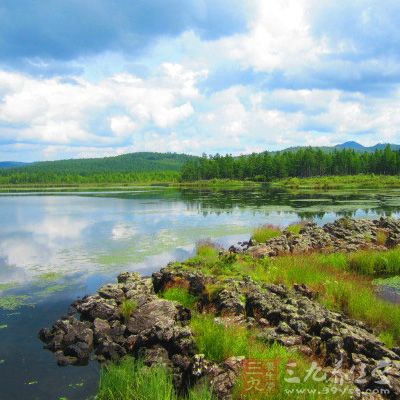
{"x": 158, "y": 330}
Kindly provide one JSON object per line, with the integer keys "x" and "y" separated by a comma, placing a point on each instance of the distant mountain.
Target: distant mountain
{"x": 349, "y": 145}
{"x": 11, "y": 164}
{"x": 132, "y": 162}
{"x": 359, "y": 147}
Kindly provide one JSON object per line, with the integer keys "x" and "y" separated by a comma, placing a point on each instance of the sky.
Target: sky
{"x": 100, "y": 78}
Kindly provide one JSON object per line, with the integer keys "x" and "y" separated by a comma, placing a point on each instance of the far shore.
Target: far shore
{"x": 294, "y": 183}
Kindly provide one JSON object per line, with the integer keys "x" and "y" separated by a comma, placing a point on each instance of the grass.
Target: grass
{"x": 218, "y": 342}
{"x": 375, "y": 263}
{"x": 344, "y": 283}
{"x": 392, "y": 282}
{"x": 295, "y": 228}
{"x": 131, "y": 379}
{"x": 127, "y": 307}
{"x": 207, "y": 251}
{"x": 265, "y": 232}
{"x": 346, "y": 181}
{"x": 181, "y": 295}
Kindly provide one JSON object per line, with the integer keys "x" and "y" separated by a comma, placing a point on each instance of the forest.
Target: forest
{"x": 303, "y": 163}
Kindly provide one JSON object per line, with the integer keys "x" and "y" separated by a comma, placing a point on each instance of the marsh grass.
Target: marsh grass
{"x": 375, "y": 263}
{"x": 295, "y": 228}
{"x": 207, "y": 251}
{"x": 265, "y": 232}
{"x": 218, "y": 342}
{"x": 181, "y": 295}
{"x": 127, "y": 307}
{"x": 343, "y": 282}
{"x": 131, "y": 379}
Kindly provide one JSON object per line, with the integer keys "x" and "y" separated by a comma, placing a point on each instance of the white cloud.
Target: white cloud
{"x": 122, "y": 125}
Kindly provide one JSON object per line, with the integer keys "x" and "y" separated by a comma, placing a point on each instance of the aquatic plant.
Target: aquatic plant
{"x": 13, "y": 302}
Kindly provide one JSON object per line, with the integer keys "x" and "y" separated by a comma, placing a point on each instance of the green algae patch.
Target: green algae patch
{"x": 49, "y": 277}
{"x": 3, "y": 326}
{"x": 11, "y": 303}
{"x": 8, "y": 286}
{"x": 51, "y": 290}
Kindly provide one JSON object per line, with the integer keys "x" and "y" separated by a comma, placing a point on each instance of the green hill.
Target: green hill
{"x": 126, "y": 168}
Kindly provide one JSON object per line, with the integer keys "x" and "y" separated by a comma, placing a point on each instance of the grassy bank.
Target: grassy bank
{"x": 347, "y": 182}
{"x": 343, "y": 282}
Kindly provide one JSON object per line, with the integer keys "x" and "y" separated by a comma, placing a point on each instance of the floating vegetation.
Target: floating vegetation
{"x": 51, "y": 290}
{"x": 2, "y": 361}
{"x": 8, "y": 286}
{"x": 76, "y": 385}
{"x": 13, "y": 302}
{"x": 32, "y": 383}
{"x": 3, "y": 326}
{"x": 49, "y": 276}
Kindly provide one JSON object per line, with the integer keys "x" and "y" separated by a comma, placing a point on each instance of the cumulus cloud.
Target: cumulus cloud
{"x": 197, "y": 76}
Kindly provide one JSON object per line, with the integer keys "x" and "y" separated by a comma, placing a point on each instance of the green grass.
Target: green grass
{"x": 376, "y": 263}
{"x": 127, "y": 307}
{"x": 131, "y": 379}
{"x": 207, "y": 251}
{"x": 344, "y": 283}
{"x": 339, "y": 181}
{"x": 181, "y": 295}
{"x": 392, "y": 282}
{"x": 265, "y": 232}
{"x": 295, "y": 228}
{"x": 218, "y": 342}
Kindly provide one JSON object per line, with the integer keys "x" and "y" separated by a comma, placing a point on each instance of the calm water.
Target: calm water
{"x": 55, "y": 247}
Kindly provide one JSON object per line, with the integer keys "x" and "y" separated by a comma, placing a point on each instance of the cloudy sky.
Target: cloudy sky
{"x": 105, "y": 77}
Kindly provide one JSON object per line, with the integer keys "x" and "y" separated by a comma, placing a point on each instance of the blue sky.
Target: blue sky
{"x": 106, "y": 77}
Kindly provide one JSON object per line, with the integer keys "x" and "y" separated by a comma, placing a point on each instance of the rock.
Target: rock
{"x": 92, "y": 307}
{"x": 80, "y": 351}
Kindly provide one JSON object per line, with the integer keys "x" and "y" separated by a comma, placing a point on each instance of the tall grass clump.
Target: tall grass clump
{"x": 216, "y": 341}
{"x": 131, "y": 379}
{"x": 295, "y": 228}
{"x": 127, "y": 307}
{"x": 207, "y": 251}
{"x": 376, "y": 263}
{"x": 181, "y": 295}
{"x": 265, "y": 232}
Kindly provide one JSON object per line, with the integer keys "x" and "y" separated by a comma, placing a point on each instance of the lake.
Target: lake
{"x": 55, "y": 247}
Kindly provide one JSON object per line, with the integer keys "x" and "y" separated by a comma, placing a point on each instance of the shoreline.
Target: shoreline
{"x": 155, "y": 318}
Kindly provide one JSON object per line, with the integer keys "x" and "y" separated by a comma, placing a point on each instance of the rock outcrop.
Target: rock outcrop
{"x": 345, "y": 235}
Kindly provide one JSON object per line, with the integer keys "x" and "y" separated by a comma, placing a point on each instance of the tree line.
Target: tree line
{"x": 302, "y": 163}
